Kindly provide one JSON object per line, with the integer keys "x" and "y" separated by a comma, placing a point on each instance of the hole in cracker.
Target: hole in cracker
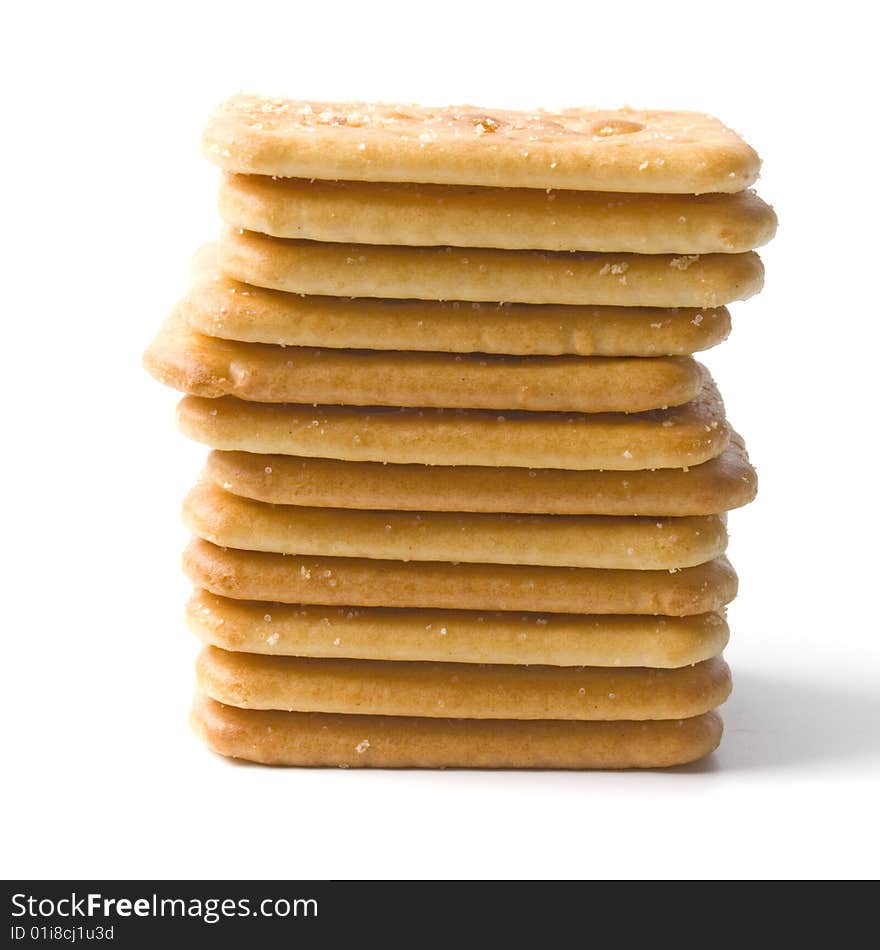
{"x": 610, "y": 127}
{"x": 485, "y": 123}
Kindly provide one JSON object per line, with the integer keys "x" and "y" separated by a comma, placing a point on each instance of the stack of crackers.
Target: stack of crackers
{"x": 466, "y": 504}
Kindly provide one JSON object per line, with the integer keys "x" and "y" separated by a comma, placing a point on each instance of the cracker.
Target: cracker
{"x": 671, "y": 438}
{"x": 518, "y": 218}
{"x": 460, "y": 690}
{"x": 584, "y": 149}
{"x": 454, "y": 636}
{"x": 721, "y": 484}
{"x": 331, "y": 740}
{"x": 360, "y": 582}
{"x": 483, "y": 274}
{"x": 550, "y": 540}
{"x": 219, "y": 306}
{"x": 207, "y": 366}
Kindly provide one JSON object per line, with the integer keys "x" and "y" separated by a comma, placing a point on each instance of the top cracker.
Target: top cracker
{"x": 579, "y": 149}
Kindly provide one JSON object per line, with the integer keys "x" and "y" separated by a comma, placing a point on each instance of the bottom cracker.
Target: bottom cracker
{"x": 333, "y": 740}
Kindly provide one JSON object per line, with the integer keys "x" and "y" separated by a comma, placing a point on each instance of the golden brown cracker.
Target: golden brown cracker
{"x": 511, "y": 218}
{"x": 623, "y": 543}
{"x": 217, "y": 305}
{"x": 483, "y": 274}
{"x": 338, "y": 741}
{"x": 207, "y": 366}
{"x": 585, "y": 149}
{"x": 721, "y": 484}
{"x": 454, "y": 636}
{"x": 672, "y": 438}
{"x": 460, "y": 690}
{"x": 337, "y": 581}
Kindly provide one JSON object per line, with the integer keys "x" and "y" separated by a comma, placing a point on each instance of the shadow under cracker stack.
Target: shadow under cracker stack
{"x": 466, "y": 504}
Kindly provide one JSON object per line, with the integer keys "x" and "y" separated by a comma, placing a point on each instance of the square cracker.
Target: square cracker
{"x": 600, "y": 541}
{"x": 581, "y": 149}
{"x": 331, "y": 740}
{"x": 219, "y": 306}
{"x": 362, "y": 582}
{"x": 455, "y": 636}
{"x": 366, "y": 212}
{"x": 677, "y": 437}
{"x": 462, "y": 690}
{"x": 208, "y": 366}
{"x": 486, "y": 274}
{"x": 721, "y": 484}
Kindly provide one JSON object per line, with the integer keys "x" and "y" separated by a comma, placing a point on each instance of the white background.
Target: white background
{"x": 105, "y": 196}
